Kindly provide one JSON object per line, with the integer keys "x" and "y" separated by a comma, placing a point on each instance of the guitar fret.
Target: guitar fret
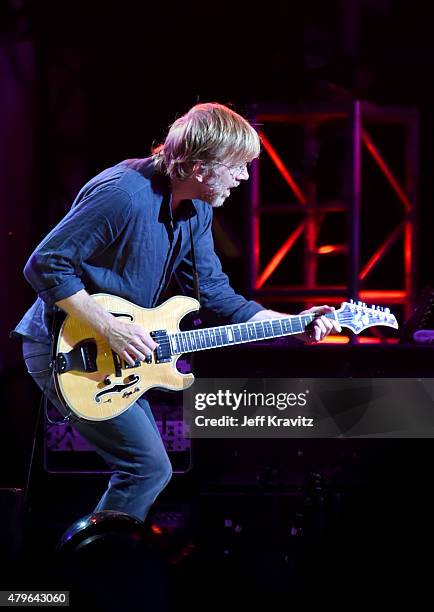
{"x": 268, "y": 329}
{"x": 196, "y": 340}
{"x": 207, "y": 339}
{"x": 180, "y": 343}
{"x": 251, "y": 330}
{"x": 193, "y": 339}
{"x": 218, "y": 336}
{"x": 259, "y": 329}
{"x": 175, "y": 343}
{"x": 298, "y": 325}
{"x": 244, "y": 332}
{"x": 187, "y": 340}
{"x": 202, "y": 339}
{"x": 286, "y": 325}
{"x": 277, "y": 329}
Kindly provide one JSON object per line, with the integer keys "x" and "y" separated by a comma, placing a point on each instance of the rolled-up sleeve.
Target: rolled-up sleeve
{"x": 216, "y": 293}
{"x": 54, "y": 268}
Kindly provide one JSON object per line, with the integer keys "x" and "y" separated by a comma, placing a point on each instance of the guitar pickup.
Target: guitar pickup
{"x": 162, "y": 352}
{"x": 82, "y": 358}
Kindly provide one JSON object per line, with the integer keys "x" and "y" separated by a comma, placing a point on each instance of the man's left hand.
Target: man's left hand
{"x": 316, "y": 331}
{"x": 321, "y": 326}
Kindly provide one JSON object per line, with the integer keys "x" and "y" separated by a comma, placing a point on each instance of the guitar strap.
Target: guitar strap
{"x": 196, "y": 288}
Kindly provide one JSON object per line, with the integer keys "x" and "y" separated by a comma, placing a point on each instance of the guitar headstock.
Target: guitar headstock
{"x": 357, "y": 316}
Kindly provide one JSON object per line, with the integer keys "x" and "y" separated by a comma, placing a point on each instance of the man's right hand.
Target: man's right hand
{"x": 129, "y": 341}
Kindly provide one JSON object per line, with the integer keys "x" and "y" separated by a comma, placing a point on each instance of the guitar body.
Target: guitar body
{"x": 105, "y": 393}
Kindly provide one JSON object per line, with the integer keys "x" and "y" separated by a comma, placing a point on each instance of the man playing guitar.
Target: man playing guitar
{"x": 128, "y": 231}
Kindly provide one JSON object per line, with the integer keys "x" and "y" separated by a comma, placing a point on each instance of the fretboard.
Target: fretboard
{"x": 239, "y": 333}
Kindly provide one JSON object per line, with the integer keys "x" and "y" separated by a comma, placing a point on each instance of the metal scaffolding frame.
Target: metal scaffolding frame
{"x": 358, "y": 117}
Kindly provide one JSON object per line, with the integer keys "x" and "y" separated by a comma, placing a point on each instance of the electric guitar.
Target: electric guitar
{"x": 96, "y": 384}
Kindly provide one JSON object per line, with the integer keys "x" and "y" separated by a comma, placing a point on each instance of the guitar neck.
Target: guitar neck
{"x": 239, "y": 333}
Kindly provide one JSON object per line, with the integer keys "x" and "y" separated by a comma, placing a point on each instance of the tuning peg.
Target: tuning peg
{"x": 359, "y": 303}
{"x": 387, "y": 310}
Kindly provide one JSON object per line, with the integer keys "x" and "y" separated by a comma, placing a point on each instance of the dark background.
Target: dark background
{"x": 86, "y": 84}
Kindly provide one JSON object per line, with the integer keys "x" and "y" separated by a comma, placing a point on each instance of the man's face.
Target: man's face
{"x": 219, "y": 180}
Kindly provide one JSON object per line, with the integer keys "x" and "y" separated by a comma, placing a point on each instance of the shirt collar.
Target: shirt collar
{"x": 161, "y": 185}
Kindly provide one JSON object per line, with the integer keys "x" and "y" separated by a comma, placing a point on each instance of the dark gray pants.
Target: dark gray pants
{"x": 130, "y": 444}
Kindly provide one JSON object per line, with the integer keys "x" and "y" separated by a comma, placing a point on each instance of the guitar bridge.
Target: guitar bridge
{"x": 82, "y": 358}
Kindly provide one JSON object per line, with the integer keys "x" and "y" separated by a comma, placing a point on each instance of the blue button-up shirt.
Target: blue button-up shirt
{"x": 121, "y": 238}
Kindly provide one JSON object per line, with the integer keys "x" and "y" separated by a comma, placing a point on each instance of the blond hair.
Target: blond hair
{"x": 209, "y": 132}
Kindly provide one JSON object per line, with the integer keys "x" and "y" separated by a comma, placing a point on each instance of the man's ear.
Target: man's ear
{"x": 198, "y": 172}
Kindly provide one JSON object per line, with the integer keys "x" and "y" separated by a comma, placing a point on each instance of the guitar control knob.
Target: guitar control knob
{"x": 107, "y": 381}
